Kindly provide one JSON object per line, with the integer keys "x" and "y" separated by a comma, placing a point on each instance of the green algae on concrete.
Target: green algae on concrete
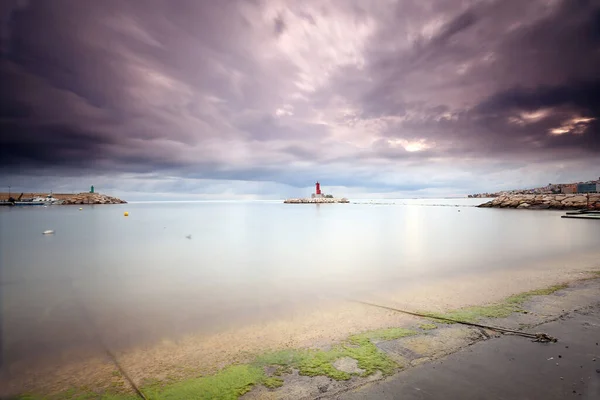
{"x": 371, "y": 359}
{"x": 503, "y": 309}
{"x": 229, "y": 383}
{"x": 273, "y": 383}
{"x": 522, "y": 297}
{"x": 474, "y": 314}
{"x": 427, "y": 327}
{"x": 310, "y": 362}
{"x": 115, "y": 397}
{"x": 381, "y": 334}
{"x": 320, "y": 362}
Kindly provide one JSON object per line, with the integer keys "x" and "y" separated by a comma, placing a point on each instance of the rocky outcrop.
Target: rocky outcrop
{"x": 546, "y": 201}
{"x": 318, "y": 200}
{"x": 92, "y": 198}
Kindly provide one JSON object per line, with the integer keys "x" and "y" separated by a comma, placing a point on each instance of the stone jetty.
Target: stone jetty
{"x": 317, "y": 200}
{"x": 581, "y": 201}
{"x": 92, "y": 198}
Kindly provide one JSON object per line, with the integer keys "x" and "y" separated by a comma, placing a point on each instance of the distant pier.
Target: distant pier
{"x": 316, "y": 200}
{"x": 318, "y": 197}
{"x": 6, "y": 199}
{"x": 583, "y": 214}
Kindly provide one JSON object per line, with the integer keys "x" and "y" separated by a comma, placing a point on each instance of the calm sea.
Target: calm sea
{"x": 174, "y": 268}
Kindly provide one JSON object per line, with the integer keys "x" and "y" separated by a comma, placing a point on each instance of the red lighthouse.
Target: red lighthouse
{"x": 318, "y": 188}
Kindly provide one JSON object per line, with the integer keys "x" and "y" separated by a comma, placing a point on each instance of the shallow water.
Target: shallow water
{"x": 139, "y": 279}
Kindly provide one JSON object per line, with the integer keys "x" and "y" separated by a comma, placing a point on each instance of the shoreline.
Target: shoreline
{"x": 318, "y": 329}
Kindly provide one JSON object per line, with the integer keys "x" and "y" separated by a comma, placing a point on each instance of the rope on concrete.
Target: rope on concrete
{"x": 538, "y": 337}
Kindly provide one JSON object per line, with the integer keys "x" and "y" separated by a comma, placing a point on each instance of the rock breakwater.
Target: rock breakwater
{"x": 582, "y": 201}
{"x": 92, "y": 198}
{"x": 318, "y": 200}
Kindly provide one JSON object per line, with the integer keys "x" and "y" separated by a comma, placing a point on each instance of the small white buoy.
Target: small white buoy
{"x": 80, "y": 208}
{"x": 49, "y": 232}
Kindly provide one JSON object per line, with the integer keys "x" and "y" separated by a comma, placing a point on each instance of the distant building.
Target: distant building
{"x": 587, "y": 187}
{"x": 569, "y": 189}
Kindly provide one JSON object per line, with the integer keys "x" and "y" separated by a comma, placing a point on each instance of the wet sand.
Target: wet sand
{"x": 304, "y": 327}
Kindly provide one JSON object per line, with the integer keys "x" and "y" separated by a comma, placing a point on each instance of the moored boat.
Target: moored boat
{"x": 37, "y": 201}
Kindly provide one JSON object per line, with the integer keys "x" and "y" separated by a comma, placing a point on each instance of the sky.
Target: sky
{"x": 258, "y": 99}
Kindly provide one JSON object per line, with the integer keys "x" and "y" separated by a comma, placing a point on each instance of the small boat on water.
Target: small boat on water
{"x": 49, "y": 199}
{"x": 38, "y": 201}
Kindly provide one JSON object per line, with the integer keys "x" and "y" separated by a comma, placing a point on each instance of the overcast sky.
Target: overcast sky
{"x": 261, "y": 98}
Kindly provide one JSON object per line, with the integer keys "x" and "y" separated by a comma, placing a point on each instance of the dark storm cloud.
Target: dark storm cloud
{"x": 523, "y": 60}
{"x": 282, "y": 91}
{"x": 584, "y": 96}
{"x": 51, "y": 145}
{"x": 580, "y": 99}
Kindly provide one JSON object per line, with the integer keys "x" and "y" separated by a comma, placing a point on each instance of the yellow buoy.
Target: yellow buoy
{"x": 126, "y": 214}
{"x": 80, "y": 208}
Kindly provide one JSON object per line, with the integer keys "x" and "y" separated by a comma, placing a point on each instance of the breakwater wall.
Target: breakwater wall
{"x": 581, "y": 201}
{"x": 92, "y": 198}
{"x": 318, "y": 200}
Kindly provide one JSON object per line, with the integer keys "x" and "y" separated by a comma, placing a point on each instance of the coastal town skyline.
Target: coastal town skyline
{"x": 258, "y": 100}
{"x": 590, "y": 186}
